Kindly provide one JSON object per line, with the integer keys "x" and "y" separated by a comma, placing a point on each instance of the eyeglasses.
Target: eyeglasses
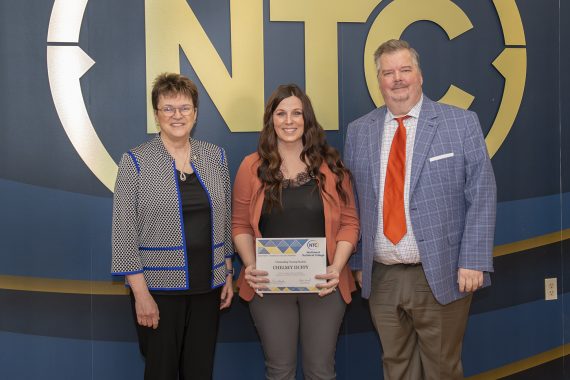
{"x": 171, "y": 111}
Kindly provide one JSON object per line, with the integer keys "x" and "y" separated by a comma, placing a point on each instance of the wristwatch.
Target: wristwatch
{"x": 229, "y": 271}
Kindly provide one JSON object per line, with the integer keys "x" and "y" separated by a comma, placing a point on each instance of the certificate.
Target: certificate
{"x": 292, "y": 263}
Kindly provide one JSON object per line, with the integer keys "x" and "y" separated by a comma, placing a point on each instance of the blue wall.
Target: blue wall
{"x": 55, "y": 213}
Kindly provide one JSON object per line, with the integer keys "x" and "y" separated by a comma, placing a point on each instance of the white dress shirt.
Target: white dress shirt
{"x": 406, "y": 251}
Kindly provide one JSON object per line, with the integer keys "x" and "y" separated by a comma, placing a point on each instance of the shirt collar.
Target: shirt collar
{"x": 414, "y": 112}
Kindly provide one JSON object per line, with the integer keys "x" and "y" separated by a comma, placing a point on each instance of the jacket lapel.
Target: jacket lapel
{"x": 427, "y": 125}
{"x": 376, "y": 128}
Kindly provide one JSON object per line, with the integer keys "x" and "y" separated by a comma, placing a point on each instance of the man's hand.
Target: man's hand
{"x": 469, "y": 280}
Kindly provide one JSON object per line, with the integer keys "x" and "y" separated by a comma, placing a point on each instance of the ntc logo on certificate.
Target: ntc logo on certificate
{"x": 292, "y": 263}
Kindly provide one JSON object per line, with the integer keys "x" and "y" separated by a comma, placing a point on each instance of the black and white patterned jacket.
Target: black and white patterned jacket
{"x": 148, "y": 231}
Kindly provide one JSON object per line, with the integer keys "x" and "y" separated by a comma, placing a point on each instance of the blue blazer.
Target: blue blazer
{"x": 453, "y": 194}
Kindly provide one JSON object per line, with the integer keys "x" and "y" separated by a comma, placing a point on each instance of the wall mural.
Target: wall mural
{"x": 79, "y": 74}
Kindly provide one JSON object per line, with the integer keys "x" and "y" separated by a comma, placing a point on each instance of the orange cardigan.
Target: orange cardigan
{"x": 341, "y": 220}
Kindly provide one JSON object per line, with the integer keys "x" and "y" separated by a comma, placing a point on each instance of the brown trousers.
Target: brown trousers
{"x": 421, "y": 338}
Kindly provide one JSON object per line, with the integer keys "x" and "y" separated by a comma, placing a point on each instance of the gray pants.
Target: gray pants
{"x": 281, "y": 319}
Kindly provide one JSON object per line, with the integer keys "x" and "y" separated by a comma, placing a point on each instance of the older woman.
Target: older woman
{"x": 172, "y": 238}
{"x": 295, "y": 186}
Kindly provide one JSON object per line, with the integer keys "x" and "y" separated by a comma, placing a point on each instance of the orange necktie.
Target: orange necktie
{"x": 393, "y": 207}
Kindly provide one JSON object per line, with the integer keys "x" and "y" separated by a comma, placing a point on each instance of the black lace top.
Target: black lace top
{"x": 302, "y": 212}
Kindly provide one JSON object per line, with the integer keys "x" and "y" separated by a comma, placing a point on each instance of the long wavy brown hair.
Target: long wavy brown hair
{"x": 315, "y": 149}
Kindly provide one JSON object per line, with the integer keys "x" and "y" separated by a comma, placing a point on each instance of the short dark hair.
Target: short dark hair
{"x": 172, "y": 84}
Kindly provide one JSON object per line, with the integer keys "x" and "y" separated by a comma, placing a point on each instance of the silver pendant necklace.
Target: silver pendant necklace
{"x": 182, "y": 174}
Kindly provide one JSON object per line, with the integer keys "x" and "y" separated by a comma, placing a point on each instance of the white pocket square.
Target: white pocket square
{"x": 441, "y": 157}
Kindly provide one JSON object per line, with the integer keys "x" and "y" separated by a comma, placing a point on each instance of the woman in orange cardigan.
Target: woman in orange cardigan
{"x": 295, "y": 185}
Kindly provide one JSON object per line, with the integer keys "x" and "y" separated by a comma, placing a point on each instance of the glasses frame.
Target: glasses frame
{"x": 185, "y": 110}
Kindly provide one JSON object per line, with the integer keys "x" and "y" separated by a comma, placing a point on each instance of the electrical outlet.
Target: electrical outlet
{"x": 550, "y": 289}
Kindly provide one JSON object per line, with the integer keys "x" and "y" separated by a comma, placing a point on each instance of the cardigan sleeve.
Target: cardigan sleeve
{"x": 349, "y": 223}
{"x": 125, "y": 245}
{"x": 242, "y": 198}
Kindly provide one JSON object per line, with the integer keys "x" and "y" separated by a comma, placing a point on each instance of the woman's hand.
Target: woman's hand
{"x": 147, "y": 311}
{"x": 255, "y": 279}
{"x": 332, "y": 277}
{"x": 358, "y": 277}
{"x": 227, "y": 293}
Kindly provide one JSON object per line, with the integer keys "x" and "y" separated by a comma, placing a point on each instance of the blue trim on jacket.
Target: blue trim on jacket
{"x": 135, "y": 161}
{"x": 153, "y": 155}
{"x": 162, "y": 248}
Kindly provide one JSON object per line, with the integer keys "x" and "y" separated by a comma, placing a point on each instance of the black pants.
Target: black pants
{"x": 182, "y": 347}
